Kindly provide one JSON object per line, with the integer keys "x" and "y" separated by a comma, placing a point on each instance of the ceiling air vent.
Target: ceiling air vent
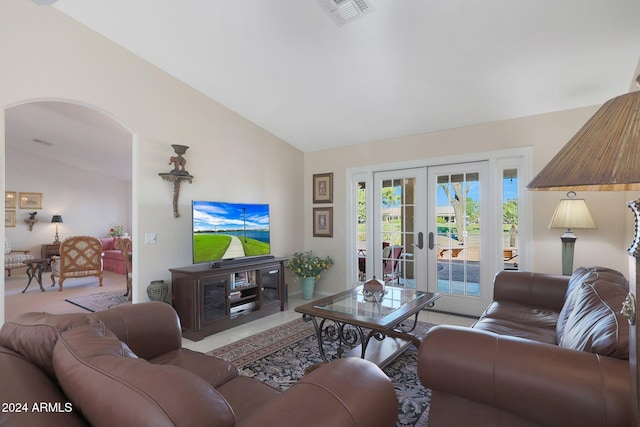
{"x": 343, "y": 11}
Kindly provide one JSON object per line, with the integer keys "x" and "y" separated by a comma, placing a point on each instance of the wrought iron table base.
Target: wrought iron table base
{"x": 350, "y": 335}
{"x": 35, "y": 268}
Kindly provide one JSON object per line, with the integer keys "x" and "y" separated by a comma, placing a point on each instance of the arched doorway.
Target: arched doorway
{"x": 79, "y": 159}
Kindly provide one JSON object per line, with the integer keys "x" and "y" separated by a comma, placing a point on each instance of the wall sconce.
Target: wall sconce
{"x": 178, "y": 174}
{"x": 570, "y": 213}
{"x": 58, "y": 220}
{"x": 31, "y": 220}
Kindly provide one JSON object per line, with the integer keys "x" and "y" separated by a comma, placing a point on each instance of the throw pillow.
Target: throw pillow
{"x": 595, "y": 324}
{"x": 580, "y": 276}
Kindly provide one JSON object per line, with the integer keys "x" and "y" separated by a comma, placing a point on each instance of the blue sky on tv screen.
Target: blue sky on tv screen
{"x": 219, "y": 216}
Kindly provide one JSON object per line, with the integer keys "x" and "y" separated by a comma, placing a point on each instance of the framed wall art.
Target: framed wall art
{"x": 9, "y": 199}
{"x": 30, "y": 200}
{"x": 9, "y": 218}
{"x": 323, "y": 188}
{"x": 322, "y": 222}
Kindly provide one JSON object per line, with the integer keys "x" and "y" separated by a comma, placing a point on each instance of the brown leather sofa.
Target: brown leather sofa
{"x": 125, "y": 367}
{"x": 548, "y": 351}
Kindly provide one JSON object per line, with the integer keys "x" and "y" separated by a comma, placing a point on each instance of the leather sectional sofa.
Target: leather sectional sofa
{"x": 125, "y": 367}
{"x": 548, "y": 351}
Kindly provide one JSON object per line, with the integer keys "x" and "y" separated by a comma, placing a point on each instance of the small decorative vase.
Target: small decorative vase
{"x": 158, "y": 290}
{"x": 308, "y": 284}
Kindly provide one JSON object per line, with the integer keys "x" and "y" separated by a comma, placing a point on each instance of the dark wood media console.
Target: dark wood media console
{"x": 210, "y": 300}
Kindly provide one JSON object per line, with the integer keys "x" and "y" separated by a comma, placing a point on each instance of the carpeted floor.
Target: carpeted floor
{"x": 279, "y": 357}
{"x": 99, "y": 301}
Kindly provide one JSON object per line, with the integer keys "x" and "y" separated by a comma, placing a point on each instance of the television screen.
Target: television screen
{"x": 229, "y": 230}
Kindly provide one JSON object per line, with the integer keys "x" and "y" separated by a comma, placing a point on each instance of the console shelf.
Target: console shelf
{"x": 210, "y": 300}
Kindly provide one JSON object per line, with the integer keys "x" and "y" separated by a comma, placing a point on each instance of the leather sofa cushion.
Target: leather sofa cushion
{"x": 146, "y": 338}
{"x": 595, "y": 323}
{"x": 515, "y": 329}
{"x": 580, "y": 276}
{"x": 236, "y": 391}
{"x": 211, "y": 369}
{"x": 526, "y": 314}
{"x": 34, "y": 335}
{"x": 112, "y": 387}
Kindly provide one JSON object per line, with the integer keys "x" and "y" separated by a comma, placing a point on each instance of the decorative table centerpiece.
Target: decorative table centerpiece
{"x": 373, "y": 290}
{"x": 308, "y": 269}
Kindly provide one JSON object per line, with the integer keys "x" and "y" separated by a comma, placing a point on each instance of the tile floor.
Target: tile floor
{"x": 53, "y": 301}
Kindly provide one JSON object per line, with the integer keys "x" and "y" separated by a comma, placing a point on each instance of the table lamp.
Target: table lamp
{"x": 57, "y": 219}
{"x": 570, "y": 213}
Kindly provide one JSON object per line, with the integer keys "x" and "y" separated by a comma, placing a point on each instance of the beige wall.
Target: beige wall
{"x": 546, "y": 134}
{"x": 89, "y": 207}
{"x": 46, "y": 55}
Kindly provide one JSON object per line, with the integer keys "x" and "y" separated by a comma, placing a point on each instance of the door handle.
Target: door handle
{"x": 431, "y": 241}
{"x": 420, "y": 243}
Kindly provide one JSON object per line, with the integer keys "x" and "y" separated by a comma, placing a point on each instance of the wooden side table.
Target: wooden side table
{"x": 48, "y": 250}
{"x": 35, "y": 267}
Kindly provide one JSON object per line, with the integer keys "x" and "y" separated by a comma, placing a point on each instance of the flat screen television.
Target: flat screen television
{"x": 229, "y": 231}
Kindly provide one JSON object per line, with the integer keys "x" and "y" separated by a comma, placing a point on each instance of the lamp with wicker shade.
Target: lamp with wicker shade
{"x": 605, "y": 156}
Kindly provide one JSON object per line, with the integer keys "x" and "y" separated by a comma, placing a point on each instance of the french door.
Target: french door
{"x": 459, "y": 240}
{"x": 399, "y": 226}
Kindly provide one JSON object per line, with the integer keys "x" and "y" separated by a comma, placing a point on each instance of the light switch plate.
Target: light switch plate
{"x": 150, "y": 238}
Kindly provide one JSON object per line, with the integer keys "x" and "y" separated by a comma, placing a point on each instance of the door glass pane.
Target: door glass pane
{"x": 510, "y": 218}
{"x": 398, "y": 230}
{"x": 458, "y": 236}
{"x": 361, "y": 230}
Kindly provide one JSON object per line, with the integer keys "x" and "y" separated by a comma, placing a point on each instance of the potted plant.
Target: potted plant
{"x": 117, "y": 231}
{"x": 308, "y": 268}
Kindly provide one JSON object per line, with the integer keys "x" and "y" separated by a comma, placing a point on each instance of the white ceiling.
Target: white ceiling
{"x": 408, "y": 67}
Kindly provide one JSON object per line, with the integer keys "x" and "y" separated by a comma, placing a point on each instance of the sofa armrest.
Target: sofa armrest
{"x": 535, "y": 289}
{"x": 26, "y": 387}
{"x": 543, "y": 383}
{"x": 150, "y": 329}
{"x": 345, "y": 392}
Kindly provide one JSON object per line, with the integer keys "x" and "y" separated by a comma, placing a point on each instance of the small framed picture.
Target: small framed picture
{"x": 323, "y": 188}
{"x": 9, "y": 218}
{"x": 9, "y": 199}
{"x": 322, "y": 222}
{"x": 30, "y": 200}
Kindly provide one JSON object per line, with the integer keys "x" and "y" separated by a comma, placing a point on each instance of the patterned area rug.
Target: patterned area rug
{"x": 280, "y": 356}
{"x": 101, "y": 301}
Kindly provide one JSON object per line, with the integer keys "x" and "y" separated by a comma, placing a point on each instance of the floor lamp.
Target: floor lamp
{"x": 605, "y": 156}
{"x": 571, "y": 213}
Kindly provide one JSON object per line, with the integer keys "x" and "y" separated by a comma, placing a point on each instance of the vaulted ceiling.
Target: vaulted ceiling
{"x": 407, "y": 67}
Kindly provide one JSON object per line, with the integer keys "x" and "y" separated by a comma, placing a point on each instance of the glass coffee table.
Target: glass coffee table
{"x": 376, "y": 329}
